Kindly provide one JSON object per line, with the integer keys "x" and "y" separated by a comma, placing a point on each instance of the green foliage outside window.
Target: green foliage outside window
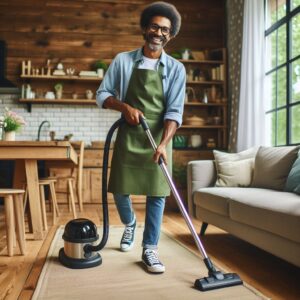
{"x": 278, "y": 85}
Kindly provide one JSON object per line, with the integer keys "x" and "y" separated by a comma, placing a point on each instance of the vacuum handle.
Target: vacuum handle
{"x": 144, "y": 123}
{"x": 174, "y": 190}
{"x": 147, "y": 130}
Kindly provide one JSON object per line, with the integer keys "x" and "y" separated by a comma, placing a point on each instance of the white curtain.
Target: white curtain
{"x": 251, "y": 125}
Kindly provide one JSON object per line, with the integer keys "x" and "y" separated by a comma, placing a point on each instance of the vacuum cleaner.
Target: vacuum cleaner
{"x": 80, "y": 235}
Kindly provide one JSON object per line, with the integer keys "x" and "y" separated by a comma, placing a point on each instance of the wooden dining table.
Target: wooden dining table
{"x": 26, "y": 155}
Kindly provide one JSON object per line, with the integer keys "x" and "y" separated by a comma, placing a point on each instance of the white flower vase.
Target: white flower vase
{"x": 10, "y": 136}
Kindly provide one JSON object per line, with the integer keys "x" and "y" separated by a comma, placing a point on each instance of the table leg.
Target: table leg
{"x": 10, "y": 224}
{"x": 20, "y": 225}
{"x": 34, "y": 198}
{"x": 19, "y": 183}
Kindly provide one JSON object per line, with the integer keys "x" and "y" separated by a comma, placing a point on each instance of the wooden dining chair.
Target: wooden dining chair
{"x": 52, "y": 200}
{"x": 14, "y": 219}
{"x": 72, "y": 177}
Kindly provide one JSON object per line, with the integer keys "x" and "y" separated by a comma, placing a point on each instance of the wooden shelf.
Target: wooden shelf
{"x": 208, "y": 62}
{"x": 202, "y": 148}
{"x": 58, "y": 101}
{"x": 198, "y": 103}
{"x": 202, "y": 127}
{"x": 212, "y": 72}
{"x": 206, "y": 82}
{"x": 77, "y": 78}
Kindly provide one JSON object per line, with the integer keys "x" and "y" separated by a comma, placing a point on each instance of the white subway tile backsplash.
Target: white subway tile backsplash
{"x": 87, "y": 123}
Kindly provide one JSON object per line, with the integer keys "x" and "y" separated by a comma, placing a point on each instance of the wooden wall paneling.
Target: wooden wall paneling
{"x": 79, "y": 32}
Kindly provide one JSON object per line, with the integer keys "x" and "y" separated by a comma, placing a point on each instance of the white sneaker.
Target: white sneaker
{"x": 151, "y": 260}
{"x": 127, "y": 240}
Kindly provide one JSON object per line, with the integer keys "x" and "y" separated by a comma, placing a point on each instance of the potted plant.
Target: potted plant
{"x": 12, "y": 122}
{"x": 176, "y": 54}
{"x": 100, "y": 66}
{"x": 58, "y": 90}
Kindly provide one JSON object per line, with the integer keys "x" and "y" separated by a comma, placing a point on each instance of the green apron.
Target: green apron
{"x": 133, "y": 171}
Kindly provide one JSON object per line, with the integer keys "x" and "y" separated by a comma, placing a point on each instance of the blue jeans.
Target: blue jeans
{"x": 153, "y": 219}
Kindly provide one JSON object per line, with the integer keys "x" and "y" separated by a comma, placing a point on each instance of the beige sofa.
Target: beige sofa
{"x": 267, "y": 218}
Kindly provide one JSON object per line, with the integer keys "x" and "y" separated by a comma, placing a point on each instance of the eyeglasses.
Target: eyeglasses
{"x": 164, "y": 30}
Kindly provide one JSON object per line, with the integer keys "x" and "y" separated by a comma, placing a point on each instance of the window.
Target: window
{"x": 282, "y": 34}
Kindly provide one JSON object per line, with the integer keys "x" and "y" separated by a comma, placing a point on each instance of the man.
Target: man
{"x": 146, "y": 82}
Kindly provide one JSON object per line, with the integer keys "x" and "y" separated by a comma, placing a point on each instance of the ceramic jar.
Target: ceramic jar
{"x": 58, "y": 94}
{"x": 217, "y": 120}
{"x": 100, "y": 73}
{"x": 211, "y": 143}
{"x": 50, "y": 95}
{"x": 195, "y": 141}
{"x": 185, "y": 54}
{"x": 89, "y": 94}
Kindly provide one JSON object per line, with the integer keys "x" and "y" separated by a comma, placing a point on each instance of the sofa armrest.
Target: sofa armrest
{"x": 200, "y": 173}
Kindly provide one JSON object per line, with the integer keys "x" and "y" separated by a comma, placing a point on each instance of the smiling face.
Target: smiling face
{"x": 157, "y": 34}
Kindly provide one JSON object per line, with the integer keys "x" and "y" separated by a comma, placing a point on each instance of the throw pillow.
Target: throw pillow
{"x": 234, "y": 169}
{"x": 272, "y": 166}
{"x": 293, "y": 180}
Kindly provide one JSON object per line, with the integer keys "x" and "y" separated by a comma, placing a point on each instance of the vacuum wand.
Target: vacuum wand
{"x": 174, "y": 190}
{"x": 216, "y": 278}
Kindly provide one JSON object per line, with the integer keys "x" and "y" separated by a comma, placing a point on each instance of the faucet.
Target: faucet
{"x": 40, "y": 128}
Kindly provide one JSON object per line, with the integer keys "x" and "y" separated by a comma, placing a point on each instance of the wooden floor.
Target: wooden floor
{"x": 272, "y": 276}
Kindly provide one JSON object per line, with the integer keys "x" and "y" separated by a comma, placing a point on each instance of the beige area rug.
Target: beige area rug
{"x": 122, "y": 276}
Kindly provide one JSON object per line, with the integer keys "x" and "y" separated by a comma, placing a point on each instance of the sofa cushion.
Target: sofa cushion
{"x": 215, "y": 199}
{"x": 276, "y": 212}
{"x": 234, "y": 169}
{"x": 272, "y": 166}
{"x": 293, "y": 180}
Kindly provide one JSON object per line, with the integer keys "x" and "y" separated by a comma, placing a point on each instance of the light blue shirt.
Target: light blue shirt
{"x": 116, "y": 80}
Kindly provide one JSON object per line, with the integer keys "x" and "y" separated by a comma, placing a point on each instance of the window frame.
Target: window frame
{"x": 286, "y": 20}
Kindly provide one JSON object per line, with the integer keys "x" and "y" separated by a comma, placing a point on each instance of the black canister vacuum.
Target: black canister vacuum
{"x": 80, "y": 236}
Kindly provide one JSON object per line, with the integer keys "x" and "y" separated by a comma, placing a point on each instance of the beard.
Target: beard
{"x": 154, "y": 41}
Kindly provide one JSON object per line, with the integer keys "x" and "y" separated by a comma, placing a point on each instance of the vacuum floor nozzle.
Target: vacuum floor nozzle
{"x": 216, "y": 282}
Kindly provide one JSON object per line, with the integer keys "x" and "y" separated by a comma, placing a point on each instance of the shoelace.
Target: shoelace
{"x": 152, "y": 257}
{"x": 127, "y": 236}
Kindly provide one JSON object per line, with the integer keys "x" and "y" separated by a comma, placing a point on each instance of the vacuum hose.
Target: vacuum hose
{"x": 90, "y": 248}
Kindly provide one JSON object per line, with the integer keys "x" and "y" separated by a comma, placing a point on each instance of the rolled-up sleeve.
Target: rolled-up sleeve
{"x": 175, "y": 96}
{"x": 109, "y": 84}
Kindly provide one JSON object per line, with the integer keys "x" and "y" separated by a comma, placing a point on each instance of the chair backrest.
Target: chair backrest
{"x": 79, "y": 147}
{"x": 66, "y": 169}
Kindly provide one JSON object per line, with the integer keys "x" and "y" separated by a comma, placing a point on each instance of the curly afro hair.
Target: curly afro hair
{"x": 162, "y": 9}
